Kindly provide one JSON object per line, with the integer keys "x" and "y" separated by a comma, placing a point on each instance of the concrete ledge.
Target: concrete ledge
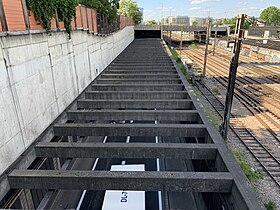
{"x": 172, "y": 130}
{"x": 107, "y": 180}
{"x": 135, "y": 104}
{"x": 137, "y": 95}
{"x": 123, "y": 150}
{"x": 174, "y": 115}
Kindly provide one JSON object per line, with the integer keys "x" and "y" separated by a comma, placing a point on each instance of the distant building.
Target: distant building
{"x": 142, "y": 12}
{"x": 176, "y": 20}
{"x": 198, "y": 21}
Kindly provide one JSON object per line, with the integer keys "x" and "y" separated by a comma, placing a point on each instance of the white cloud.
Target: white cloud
{"x": 195, "y": 8}
{"x": 201, "y": 1}
{"x": 246, "y": 9}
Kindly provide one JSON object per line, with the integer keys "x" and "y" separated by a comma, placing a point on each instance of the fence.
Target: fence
{"x": 15, "y": 17}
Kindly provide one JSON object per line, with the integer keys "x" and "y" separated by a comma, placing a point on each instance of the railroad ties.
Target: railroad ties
{"x": 144, "y": 85}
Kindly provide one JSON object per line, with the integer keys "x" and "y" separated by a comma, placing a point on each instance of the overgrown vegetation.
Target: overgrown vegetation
{"x": 270, "y": 205}
{"x": 106, "y": 7}
{"x": 180, "y": 64}
{"x": 45, "y": 10}
{"x": 252, "y": 174}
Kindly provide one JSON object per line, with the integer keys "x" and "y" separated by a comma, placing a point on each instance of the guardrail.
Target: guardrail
{"x": 16, "y": 18}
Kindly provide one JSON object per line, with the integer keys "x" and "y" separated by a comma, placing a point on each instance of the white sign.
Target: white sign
{"x": 125, "y": 200}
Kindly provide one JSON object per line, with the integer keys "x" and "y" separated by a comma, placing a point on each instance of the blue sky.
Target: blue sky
{"x": 203, "y": 8}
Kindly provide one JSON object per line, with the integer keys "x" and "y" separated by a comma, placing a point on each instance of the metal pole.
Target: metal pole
{"x": 206, "y": 48}
{"x": 181, "y": 42}
{"x": 215, "y": 40}
{"x": 232, "y": 73}
{"x": 25, "y": 14}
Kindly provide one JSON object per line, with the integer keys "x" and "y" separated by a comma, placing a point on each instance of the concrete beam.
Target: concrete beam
{"x": 139, "y": 76}
{"x": 135, "y": 104}
{"x": 142, "y": 68}
{"x": 136, "y": 87}
{"x": 107, "y": 180}
{"x": 168, "y": 115}
{"x": 141, "y": 72}
{"x": 122, "y": 150}
{"x": 136, "y": 95}
{"x": 178, "y": 130}
{"x": 139, "y": 81}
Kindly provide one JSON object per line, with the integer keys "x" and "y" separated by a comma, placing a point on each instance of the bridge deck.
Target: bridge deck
{"x": 145, "y": 85}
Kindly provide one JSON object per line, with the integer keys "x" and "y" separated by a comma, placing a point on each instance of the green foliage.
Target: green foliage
{"x": 194, "y": 23}
{"x": 215, "y": 90}
{"x": 129, "y": 8}
{"x": 45, "y": 10}
{"x": 252, "y": 175}
{"x": 194, "y": 46}
{"x": 66, "y": 10}
{"x": 151, "y": 22}
{"x": 270, "y": 205}
{"x": 106, "y": 7}
{"x": 271, "y": 15}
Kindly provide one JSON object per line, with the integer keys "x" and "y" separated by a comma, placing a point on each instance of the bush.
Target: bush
{"x": 194, "y": 46}
{"x": 270, "y": 205}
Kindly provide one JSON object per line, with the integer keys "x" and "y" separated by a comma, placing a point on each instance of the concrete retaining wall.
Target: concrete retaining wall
{"x": 40, "y": 75}
{"x": 260, "y": 53}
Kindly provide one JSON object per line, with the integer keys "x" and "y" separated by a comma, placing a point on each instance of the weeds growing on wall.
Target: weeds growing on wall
{"x": 45, "y": 10}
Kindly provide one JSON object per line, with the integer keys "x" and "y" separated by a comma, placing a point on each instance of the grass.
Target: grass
{"x": 212, "y": 117}
{"x": 216, "y": 91}
{"x": 194, "y": 46}
{"x": 270, "y": 205}
{"x": 252, "y": 174}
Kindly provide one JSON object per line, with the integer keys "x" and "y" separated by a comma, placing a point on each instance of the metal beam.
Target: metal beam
{"x": 170, "y": 115}
{"x": 135, "y": 104}
{"x": 107, "y": 180}
{"x": 137, "y": 95}
{"x": 178, "y": 130}
{"x": 121, "y": 150}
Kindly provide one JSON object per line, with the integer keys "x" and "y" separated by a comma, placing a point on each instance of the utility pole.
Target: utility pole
{"x": 215, "y": 40}
{"x": 206, "y": 48}
{"x": 239, "y": 32}
{"x": 181, "y": 42}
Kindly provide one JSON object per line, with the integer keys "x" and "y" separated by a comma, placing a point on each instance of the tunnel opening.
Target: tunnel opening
{"x": 139, "y": 34}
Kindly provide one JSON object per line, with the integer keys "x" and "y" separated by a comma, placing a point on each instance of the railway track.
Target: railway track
{"x": 249, "y": 95}
{"x": 265, "y": 158}
{"x": 260, "y": 151}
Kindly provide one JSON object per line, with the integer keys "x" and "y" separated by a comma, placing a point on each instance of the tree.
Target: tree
{"x": 271, "y": 15}
{"x": 151, "y": 22}
{"x": 194, "y": 23}
{"x": 106, "y": 7}
{"x": 129, "y": 8}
